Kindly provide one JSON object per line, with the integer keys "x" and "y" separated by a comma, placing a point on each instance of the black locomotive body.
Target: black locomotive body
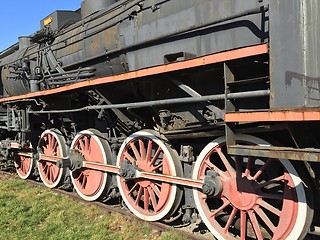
{"x": 126, "y": 36}
{"x": 165, "y": 104}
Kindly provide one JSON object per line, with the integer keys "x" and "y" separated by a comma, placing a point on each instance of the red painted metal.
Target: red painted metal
{"x": 15, "y": 145}
{"x": 50, "y": 146}
{"x": 101, "y": 167}
{"x": 151, "y": 176}
{"x": 275, "y": 116}
{"x": 24, "y": 164}
{"x": 24, "y": 154}
{"x": 170, "y": 179}
{"x": 147, "y": 197}
{"x": 88, "y": 181}
{"x": 50, "y": 158}
{"x": 197, "y": 62}
{"x": 248, "y": 198}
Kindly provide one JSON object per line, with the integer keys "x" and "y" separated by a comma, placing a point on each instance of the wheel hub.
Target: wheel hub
{"x": 241, "y": 193}
{"x": 144, "y": 183}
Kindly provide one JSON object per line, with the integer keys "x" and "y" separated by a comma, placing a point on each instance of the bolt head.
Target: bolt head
{"x": 206, "y": 188}
{"x": 122, "y": 172}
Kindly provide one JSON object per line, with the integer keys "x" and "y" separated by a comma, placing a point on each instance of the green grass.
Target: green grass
{"x": 38, "y": 213}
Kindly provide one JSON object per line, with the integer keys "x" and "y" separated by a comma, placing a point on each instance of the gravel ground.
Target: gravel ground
{"x": 7, "y": 175}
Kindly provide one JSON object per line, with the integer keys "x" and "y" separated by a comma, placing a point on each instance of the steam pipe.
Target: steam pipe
{"x": 250, "y": 94}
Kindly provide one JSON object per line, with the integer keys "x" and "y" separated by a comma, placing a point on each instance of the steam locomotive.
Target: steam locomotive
{"x": 183, "y": 109}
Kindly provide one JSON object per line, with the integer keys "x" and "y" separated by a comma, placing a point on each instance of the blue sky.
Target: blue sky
{"x": 22, "y": 17}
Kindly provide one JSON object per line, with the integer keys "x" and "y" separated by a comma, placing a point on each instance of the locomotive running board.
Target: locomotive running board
{"x": 310, "y": 114}
{"x": 298, "y": 115}
{"x": 306, "y": 154}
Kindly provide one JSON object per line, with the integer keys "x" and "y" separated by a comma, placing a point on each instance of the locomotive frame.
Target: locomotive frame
{"x": 186, "y": 134}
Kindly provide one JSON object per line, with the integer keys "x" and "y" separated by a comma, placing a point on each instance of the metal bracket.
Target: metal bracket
{"x": 186, "y": 154}
{"x": 217, "y": 112}
{"x": 229, "y": 106}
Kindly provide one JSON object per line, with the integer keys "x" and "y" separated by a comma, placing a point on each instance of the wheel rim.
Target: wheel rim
{"x": 149, "y": 200}
{"x": 260, "y": 199}
{"x": 24, "y": 165}
{"x": 91, "y": 184}
{"x": 52, "y": 143}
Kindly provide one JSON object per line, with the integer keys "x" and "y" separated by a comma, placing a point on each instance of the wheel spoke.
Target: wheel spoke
{"x": 129, "y": 157}
{"x": 153, "y": 198}
{"x": 269, "y": 207}
{"x": 269, "y": 182}
{"x": 264, "y": 167}
{"x": 80, "y": 176}
{"x": 24, "y": 168}
{"x": 49, "y": 173}
{"x": 84, "y": 181}
{"x": 86, "y": 144}
{"x": 210, "y": 165}
{"x": 243, "y": 225}
{"x": 21, "y": 167}
{"x": 223, "y": 206}
{"x": 265, "y": 218}
{"x": 231, "y": 218}
{"x": 146, "y": 199}
{"x": 50, "y": 141}
{"x": 249, "y": 166}
{"x": 91, "y": 142}
{"x": 271, "y": 196}
{"x": 133, "y": 188}
{"x": 135, "y": 152}
{"x": 54, "y": 147}
{"x": 142, "y": 150}
{"x": 239, "y": 161}
{"x": 149, "y": 151}
{"x": 45, "y": 168}
{"x": 155, "y": 157}
{"x": 82, "y": 146}
{"x": 157, "y": 167}
{"x": 255, "y": 225}
{"x": 155, "y": 189}
{"x": 226, "y": 163}
{"x": 53, "y": 172}
{"x": 139, "y": 195}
